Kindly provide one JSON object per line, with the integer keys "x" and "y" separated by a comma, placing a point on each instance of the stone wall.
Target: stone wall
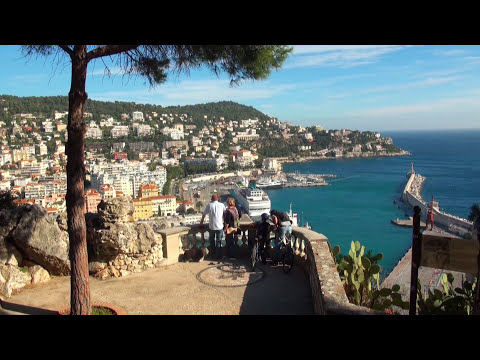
{"x": 124, "y": 264}
{"x": 328, "y": 294}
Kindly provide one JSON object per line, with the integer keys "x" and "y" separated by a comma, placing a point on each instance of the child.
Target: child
{"x": 263, "y": 228}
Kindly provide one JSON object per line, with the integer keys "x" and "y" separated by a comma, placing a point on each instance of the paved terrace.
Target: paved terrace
{"x": 210, "y": 287}
{"x": 194, "y": 288}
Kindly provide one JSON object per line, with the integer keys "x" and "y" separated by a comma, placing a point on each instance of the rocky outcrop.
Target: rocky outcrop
{"x": 12, "y": 279}
{"x": 31, "y": 238}
{"x": 39, "y": 275}
{"x": 116, "y": 210}
{"x": 40, "y": 240}
{"x": 9, "y": 254}
{"x": 117, "y": 246}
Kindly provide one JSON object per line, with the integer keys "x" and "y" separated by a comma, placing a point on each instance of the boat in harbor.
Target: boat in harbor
{"x": 293, "y": 216}
{"x": 253, "y": 200}
{"x": 268, "y": 183}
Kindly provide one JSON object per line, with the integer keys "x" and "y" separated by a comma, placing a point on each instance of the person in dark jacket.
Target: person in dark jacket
{"x": 283, "y": 227}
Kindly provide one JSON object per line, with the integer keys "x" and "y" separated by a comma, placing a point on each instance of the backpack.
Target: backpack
{"x": 236, "y": 218}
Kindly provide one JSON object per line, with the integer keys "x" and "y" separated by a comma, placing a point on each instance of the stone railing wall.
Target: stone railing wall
{"x": 312, "y": 252}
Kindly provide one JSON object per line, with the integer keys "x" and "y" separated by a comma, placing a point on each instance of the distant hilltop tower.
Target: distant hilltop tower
{"x": 412, "y": 171}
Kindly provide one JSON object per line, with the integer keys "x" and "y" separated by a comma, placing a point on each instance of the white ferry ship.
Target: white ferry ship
{"x": 254, "y": 201}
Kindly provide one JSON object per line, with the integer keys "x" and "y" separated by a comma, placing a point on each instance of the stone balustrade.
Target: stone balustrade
{"x": 312, "y": 254}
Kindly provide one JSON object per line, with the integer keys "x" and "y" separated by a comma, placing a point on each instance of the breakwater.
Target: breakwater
{"x": 302, "y": 184}
{"x": 411, "y": 196}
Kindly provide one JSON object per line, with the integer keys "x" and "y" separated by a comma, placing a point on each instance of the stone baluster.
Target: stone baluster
{"x": 302, "y": 247}
{"x": 202, "y": 238}
{"x": 244, "y": 238}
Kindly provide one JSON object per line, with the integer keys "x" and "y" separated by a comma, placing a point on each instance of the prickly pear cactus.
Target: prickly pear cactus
{"x": 360, "y": 276}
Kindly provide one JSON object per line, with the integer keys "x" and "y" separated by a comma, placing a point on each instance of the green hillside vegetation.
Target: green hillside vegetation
{"x": 47, "y": 105}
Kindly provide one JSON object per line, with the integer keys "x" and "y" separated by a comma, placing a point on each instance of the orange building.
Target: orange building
{"x": 148, "y": 190}
{"x": 142, "y": 209}
{"x": 107, "y": 191}
{"x": 92, "y": 199}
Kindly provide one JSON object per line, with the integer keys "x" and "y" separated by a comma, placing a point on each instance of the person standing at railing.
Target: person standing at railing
{"x": 215, "y": 210}
{"x": 283, "y": 226}
{"x": 231, "y": 224}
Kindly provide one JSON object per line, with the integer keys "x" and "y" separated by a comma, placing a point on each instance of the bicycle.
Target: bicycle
{"x": 256, "y": 255}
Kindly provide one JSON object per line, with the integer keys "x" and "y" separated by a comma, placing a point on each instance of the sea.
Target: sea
{"x": 361, "y": 201}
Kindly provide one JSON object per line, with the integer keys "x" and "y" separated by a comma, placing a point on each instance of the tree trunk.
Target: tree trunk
{"x": 79, "y": 281}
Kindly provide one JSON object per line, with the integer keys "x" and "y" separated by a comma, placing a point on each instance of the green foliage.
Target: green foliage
{"x": 152, "y": 166}
{"x": 474, "y": 212}
{"x": 450, "y": 301}
{"x": 24, "y": 269}
{"x": 360, "y": 276}
{"x": 98, "y": 310}
{"x": 200, "y": 168}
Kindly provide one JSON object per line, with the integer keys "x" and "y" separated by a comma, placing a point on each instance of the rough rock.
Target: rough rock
{"x": 8, "y": 221}
{"x": 96, "y": 266}
{"x": 122, "y": 238}
{"x": 39, "y": 275}
{"x": 12, "y": 279}
{"x": 40, "y": 240}
{"x": 116, "y": 210}
{"x": 9, "y": 254}
{"x": 158, "y": 225}
{"x": 103, "y": 274}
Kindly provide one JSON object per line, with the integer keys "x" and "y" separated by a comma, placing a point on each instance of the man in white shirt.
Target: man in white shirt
{"x": 215, "y": 210}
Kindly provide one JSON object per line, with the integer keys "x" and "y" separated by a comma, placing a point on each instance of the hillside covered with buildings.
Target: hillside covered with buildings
{"x": 135, "y": 150}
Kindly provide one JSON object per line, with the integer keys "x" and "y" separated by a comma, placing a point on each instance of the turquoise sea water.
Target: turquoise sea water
{"x": 358, "y": 204}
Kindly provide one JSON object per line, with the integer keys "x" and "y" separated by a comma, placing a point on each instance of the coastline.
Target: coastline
{"x": 348, "y": 156}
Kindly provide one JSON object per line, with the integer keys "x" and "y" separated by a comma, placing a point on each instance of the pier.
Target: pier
{"x": 412, "y": 197}
{"x": 306, "y": 180}
{"x": 302, "y": 184}
{"x": 407, "y": 223}
{"x": 311, "y": 176}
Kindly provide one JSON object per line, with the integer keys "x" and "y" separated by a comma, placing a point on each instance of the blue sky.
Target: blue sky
{"x": 364, "y": 87}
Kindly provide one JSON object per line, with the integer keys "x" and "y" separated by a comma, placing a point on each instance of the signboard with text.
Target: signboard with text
{"x": 449, "y": 253}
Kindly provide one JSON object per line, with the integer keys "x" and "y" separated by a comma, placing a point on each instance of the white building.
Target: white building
{"x": 176, "y": 135}
{"x": 47, "y": 126}
{"x": 41, "y": 149}
{"x": 94, "y": 133}
{"x": 143, "y": 130}
{"x": 5, "y": 157}
{"x": 137, "y": 116}
{"x": 119, "y": 130}
{"x": 60, "y": 114}
{"x": 5, "y": 185}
